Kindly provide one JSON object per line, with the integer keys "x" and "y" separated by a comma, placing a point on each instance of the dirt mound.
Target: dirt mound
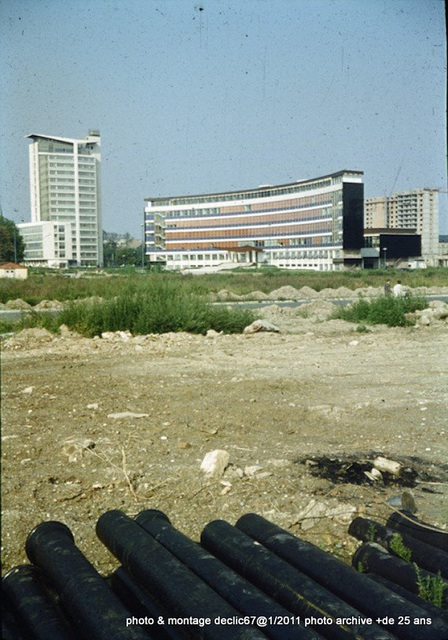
{"x": 28, "y": 339}
{"x": 256, "y": 295}
{"x": 318, "y": 309}
{"x": 307, "y": 292}
{"x": 285, "y": 293}
{"x": 18, "y": 304}
{"x": 49, "y": 304}
{"x": 224, "y": 295}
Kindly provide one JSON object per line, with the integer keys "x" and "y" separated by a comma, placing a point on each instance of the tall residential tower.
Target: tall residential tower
{"x": 417, "y": 209}
{"x": 66, "y": 191}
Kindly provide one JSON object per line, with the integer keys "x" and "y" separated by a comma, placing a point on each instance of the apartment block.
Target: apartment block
{"x": 310, "y": 224}
{"x": 417, "y": 209}
{"x": 66, "y": 189}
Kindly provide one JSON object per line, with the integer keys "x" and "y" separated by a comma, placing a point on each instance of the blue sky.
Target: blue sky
{"x": 203, "y": 96}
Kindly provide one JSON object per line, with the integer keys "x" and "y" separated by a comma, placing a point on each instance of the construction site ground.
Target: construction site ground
{"x": 124, "y": 422}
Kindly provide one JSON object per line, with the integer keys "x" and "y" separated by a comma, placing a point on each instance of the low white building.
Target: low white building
{"x": 47, "y": 244}
{"x": 13, "y": 270}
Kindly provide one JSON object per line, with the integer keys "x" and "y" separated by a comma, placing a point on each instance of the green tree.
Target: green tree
{"x": 127, "y": 256}
{"x": 12, "y": 247}
{"x": 110, "y": 253}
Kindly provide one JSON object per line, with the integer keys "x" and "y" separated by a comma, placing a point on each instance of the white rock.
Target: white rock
{"x": 94, "y": 406}
{"x": 28, "y": 390}
{"x": 390, "y": 466}
{"x": 374, "y": 474}
{"x": 74, "y": 448}
{"x": 341, "y": 512}
{"x": 108, "y": 335}
{"x": 252, "y": 470}
{"x": 311, "y": 515}
{"x": 263, "y": 475}
{"x": 127, "y": 414}
{"x": 215, "y": 462}
{"x": 211, "y": 333}
{"x": 261, "y": 325}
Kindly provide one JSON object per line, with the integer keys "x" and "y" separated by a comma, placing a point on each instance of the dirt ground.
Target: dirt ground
{"x": 124, "y": 423}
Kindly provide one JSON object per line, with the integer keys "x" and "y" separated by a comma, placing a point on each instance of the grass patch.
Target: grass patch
{"x": 383, "y": 310}
{"x": 163, "y": 307}
{"x": 108, "y": 284}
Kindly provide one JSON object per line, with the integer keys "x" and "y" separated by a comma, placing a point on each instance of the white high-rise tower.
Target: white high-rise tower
{"x": 65, "y": 188}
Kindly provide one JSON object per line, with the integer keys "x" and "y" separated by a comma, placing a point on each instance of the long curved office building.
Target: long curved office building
{"x": 310, "y": 224}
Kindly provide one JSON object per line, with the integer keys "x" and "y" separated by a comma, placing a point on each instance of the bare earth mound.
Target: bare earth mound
{"x": 125, "y": 422}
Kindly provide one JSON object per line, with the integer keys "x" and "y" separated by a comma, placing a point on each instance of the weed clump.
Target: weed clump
{"x": 431, "y": 588}
{"x": 382, "y": 310}
{"x": 163, "y": 307}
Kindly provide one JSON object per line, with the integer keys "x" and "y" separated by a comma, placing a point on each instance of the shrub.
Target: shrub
{"x": 382, "y": 310}
{"x": 431, "y": 588}
{"x": 399, "y": 548}
{"x": 164, "y": 306}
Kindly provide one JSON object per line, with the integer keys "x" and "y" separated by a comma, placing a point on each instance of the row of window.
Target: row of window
{"x": 262, "y": 221}
{"x": 252, "y": 232}
{"x": 311, "y": 202}
{"x": 68, "y": 186}
{"x": 244, "y": 195}
{"x": 192, "y": 257}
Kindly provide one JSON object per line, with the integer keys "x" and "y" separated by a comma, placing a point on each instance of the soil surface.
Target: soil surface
{"x": 124, "y": 422}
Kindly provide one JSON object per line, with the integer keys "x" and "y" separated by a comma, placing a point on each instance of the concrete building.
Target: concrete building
{"x": 66, "y": 189}
{"x": 417, "y": 209}
{"x": 443, "y": 251}
{"x": 310, "y": 224}
{"x": 399, "y": 248}
{"x": 13, "y": 270}
{"x": 47, "y": 244}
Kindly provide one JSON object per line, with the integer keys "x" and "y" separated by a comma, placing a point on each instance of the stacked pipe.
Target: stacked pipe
{"x": 387, "y": 608}
{"x": 407, "y": 552}
{"x": 250, "y": 581}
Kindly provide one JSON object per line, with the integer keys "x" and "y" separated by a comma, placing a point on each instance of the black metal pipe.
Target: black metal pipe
{"x": 432, "y": 609}
{"x": 296, "y": 592}
{"x": 140, "y": 602}
{"x": 33, "y": 606}
{"x": 10, "y": 626}
{"x": 407, "y": 523}
{"x": 340, "y": 579}
{"x": 236, "y": 590}
{"x": 425, "y": 555}
{"x": 86, "y": 598}
{"x": 182, "y": 593}
{"x": 374, "y": 559}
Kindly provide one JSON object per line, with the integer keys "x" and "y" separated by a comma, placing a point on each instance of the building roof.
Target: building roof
{"x": 57, "y": 138}
{"x": 260, "y": 188}
{"x": 11, "y": 265}
{"x": 92, "y": 133}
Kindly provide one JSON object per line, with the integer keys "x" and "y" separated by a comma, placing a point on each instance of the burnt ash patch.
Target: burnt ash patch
{"x": 354, "y": 469}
